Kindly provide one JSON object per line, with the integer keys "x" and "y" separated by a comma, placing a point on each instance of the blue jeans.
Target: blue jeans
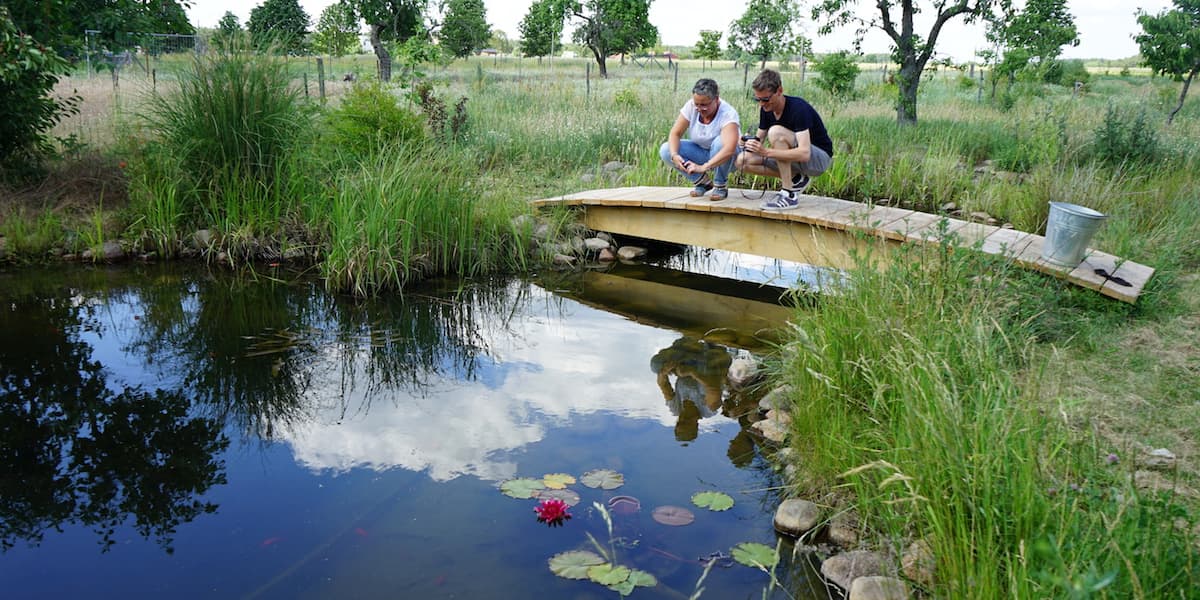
{"x": 694, "y": 153}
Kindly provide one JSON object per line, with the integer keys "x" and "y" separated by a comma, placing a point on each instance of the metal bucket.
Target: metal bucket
{"x": 1068, "y": 231}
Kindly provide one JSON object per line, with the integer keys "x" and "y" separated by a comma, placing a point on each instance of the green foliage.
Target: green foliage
{"x": 1038, "y": 31}
{"x": 370, "y": 119}
{"x": 279, "y": 25}
{"x": 627, "y": 97}
{"x": 236, "y": 112}
{"x": 1066, "y": 73}
{"x": 709, "y": 46}
{"x": 28, "y": 72}
{"x": 442, "y": 125}
{"x": 228, "y": 31}
{"x": 337, "y": 30}
{"x": 542, "y": 27}
{"x": 1170, "y": 44}
{"x": 1125, "y": 138}
{"x": 765, "y": 29}
{"x": 837, "y": 72}
{"x": 610, "y": 27}
{"x": 465, "y": 29}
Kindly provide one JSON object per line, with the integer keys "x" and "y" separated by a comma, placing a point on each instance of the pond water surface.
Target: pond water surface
{"x": 179, "y": 433}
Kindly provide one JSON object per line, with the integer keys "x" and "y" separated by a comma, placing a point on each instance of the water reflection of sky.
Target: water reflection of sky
{"x": 555, "y": 361}
{"x": 751, "y": 268}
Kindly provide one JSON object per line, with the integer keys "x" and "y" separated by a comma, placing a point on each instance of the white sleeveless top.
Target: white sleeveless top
{"x": 703, "y": 134}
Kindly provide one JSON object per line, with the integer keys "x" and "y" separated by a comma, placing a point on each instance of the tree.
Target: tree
{"x": 909, "y": 49}
{"x": 1031, "y": 39}
{"x": 1170, "y": 44}
{"x": 613, "y": 27}
{"x": 28, "y": 72}
{"x": 709, "y": 46}
{"x": 837, "y": 72}
{"x": 60, "y": 23}
{"x": 765, "y": 29}
{"x": 542, "y": 28}
{"x": 388, "y": 20}
{"x": 228, "y": 30}
{"x": 465, "y": 29}
{"x": 282, "y": 23}
{"x": 337, "y": 30}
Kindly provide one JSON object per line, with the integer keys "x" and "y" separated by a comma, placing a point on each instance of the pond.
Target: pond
{"x": 169, "y": 431}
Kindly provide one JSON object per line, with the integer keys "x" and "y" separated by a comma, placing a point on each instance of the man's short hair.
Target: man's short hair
{"x": 706, "y": 87}
{"x": 767, "y": 81}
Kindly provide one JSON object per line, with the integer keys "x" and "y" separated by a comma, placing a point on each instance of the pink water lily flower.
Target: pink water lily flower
{"x": 552, "y": 512}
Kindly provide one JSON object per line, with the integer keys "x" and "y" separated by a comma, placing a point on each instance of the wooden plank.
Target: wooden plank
{"x": 1006, "y": 242}
{"x": 777, "y": 238}
{"x": 1118, "y": 270}
{"x": 902, "y": 229}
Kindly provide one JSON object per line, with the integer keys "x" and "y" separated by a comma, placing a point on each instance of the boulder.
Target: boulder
{"x": 842, "y": 569}
{"x": 564, "y": 260}
{"x": 776, "y": 398}
{"x": 631, "y": 252}
{"x": 742, "y": 371}
{"x": 1159, "y": 459}
{"x": 203, "y": 239}
{"x": 772, "y": 430}
{"x": 878, "y": 588}
{"x": 613, "y": 166}
{"x": 596, "y": 244}
{"x": 796, "y": 517}
{"x": 606, "y": 255}
{"x": 918, "y": 564}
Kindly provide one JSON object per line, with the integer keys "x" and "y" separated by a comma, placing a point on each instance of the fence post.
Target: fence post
{"x": 803, "y": 67}
{"x": 305, "y": 74}
{"x": 154, "y": 79}
{"x": 589, "y": 81}
{"x": 321, "y": 78}
{"x": 745, "y": 75}
{"x": 676, "y": 88}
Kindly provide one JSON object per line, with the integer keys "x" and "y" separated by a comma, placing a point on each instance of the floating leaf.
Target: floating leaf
{"x": 557, "y": 481}
{"x": 523, "y": 487}
{"x": 571, "y": 497}
{"x": 574, "y": 564}
{"x": 756, "y": 555}
{"x": 624, "y": 588}
{"x": 642, "y": 579}
{"x": 712, "y": 500}
{"x": 675, "y": 516}
{"x": 624, "y": 505}
{"x": 608, "y": 574}
{"x": 605, "y": 479}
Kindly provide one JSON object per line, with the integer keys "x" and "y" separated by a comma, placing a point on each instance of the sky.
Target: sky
{"x": 1106, "y": 27}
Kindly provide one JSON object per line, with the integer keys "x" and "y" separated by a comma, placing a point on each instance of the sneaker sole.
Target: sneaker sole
{"x": 779, "y": 208}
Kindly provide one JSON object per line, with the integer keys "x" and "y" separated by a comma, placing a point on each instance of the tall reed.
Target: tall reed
{"x": 914, "y": 396}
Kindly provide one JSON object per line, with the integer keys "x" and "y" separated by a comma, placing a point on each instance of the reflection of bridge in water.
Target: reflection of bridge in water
{"x": 827, "y": 231}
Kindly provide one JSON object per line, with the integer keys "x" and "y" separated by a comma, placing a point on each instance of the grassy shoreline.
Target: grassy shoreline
{"x": 1000, "y": 416}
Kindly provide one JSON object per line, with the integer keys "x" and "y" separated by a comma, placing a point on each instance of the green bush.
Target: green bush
{"x": 370, "y": 118}
{"x": 837, "y": 73}
{"x": 1123, "y": 138}
{"x": 1066, "y": 72}
{"x": 28, "y": 71}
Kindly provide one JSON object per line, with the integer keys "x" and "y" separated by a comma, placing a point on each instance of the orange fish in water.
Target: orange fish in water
{"x": 361, "y": 532}
{"x": 270, "y": 542}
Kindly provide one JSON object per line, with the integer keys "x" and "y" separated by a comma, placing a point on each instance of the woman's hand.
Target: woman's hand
{"x": 753, "y": 145}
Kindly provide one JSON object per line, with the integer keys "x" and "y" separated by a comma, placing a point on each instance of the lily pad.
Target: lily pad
{"x": 605, "y": 479}
{"x": 608, "y": 574}
{"x": 557, "y": 481}
{"x": 624, "y": 505}
{"x": 713, "y": 500}
{"x": 636, "y": 579}
{"x": 675, "y": 516}
{"x": 571, "y": 497}
{"x": 523, "y": 487}
{"x": 574, "y": 564}
{"x": 753, "y": 554}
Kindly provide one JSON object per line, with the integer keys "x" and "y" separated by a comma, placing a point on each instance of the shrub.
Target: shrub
{"x": 837, "y": 73}
{"x": 369, "y": 118}
{"x": 1066, "y": 72}
{"x": 28, "y": 71}
{"x": 628, "y": 98}
{"x": 1122, "y": 138}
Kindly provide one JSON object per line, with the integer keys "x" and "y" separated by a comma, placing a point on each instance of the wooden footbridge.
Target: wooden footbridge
{"x": 816, "y": 232}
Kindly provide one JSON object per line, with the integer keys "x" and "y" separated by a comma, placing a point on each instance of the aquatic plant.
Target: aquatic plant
{"x": 552, "y": 512}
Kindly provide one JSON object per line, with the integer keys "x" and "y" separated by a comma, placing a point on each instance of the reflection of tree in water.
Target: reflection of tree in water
{"x": 75, "y": 451}
{"x": 700, "y": 369}
{"x": 250, "y": 353}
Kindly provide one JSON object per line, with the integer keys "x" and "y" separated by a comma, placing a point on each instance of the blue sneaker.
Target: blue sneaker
{"x": 702, "y": 187}
{"x": 800, "y": 182}
{"x": 782, "y": 200}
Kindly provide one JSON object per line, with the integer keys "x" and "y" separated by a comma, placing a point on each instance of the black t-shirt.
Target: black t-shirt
{"x": 798, "y": 115}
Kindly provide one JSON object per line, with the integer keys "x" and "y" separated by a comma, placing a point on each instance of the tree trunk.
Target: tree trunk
{"x": 600, "y": 61}
{"x": 1183, "y": 94}
{"x": 907, "y": 81}
{"x": 381, "y": 53}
